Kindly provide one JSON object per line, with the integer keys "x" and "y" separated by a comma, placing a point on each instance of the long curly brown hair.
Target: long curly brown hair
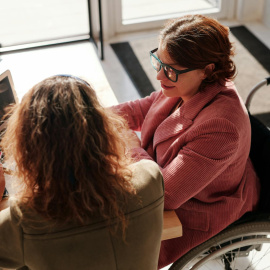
{"x": 70, "y": 152}
{"x": 194, "y": 41}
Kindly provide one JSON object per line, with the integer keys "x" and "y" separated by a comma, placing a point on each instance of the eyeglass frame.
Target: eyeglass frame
{"x": 162, "y": 65}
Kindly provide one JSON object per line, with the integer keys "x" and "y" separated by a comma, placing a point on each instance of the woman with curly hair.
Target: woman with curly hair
{"x": 83, "y": 203}
{"x": 197, "y": 129}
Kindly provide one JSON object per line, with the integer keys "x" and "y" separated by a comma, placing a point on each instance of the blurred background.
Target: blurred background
{"x": 40, "y": 38}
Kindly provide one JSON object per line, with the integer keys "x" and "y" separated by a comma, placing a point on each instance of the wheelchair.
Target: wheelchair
{"x": 245, "y": 244}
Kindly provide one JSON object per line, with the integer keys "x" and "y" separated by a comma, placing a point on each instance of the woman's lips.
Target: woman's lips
{"x": 166, "y": 87}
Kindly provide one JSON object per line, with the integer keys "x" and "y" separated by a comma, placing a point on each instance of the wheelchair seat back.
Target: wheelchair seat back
{"x": 260, "y": 157}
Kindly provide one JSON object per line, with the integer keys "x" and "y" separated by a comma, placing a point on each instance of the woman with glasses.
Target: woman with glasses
{"x": 197, "y": 129}
{"x": 83, "y": 203}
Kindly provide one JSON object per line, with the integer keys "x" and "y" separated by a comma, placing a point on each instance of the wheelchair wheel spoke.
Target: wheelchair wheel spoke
{"x": 243, "y": 247}
{"x": 259, "y": 260}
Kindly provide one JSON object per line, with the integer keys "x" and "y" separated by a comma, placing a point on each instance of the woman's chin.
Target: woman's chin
{"x": 169, "y": 92}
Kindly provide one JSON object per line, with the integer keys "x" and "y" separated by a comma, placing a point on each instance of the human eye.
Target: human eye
{"x": 170, "y": 72}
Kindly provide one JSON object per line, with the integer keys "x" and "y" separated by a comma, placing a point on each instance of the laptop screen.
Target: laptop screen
{"x": 7, "y": 94}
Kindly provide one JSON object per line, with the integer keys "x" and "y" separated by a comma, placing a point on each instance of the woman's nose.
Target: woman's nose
{"x": 161, "y": 75}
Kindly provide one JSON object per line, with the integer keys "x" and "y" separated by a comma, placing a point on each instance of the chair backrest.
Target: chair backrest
{"x": 260, "y": 157}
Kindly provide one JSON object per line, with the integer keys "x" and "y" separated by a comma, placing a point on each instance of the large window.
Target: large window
{"x": 29, "y": 21}
{"x": 149, "y": 10}
{"x": 132, "y": 15}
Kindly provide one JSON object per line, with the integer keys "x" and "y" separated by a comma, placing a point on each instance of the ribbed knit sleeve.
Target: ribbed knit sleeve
{"x": 135, "y": 111}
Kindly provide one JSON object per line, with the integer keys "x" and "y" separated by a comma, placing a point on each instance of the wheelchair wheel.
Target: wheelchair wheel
{"x": 243, "y": 246}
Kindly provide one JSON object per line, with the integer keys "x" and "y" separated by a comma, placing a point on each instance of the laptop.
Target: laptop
{"x": 7, "y": 96}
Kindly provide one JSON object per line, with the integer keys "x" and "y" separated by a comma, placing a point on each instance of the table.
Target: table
{"x": 172, "y": 226}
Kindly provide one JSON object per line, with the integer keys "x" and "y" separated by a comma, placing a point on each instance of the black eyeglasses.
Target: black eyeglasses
{"x": 170, "y": 72}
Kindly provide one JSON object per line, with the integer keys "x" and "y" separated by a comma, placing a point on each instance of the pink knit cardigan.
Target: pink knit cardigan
{"x": 203, "y": 152}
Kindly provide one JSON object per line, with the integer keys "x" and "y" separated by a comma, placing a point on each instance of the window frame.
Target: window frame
{"x": 113, "y": 10}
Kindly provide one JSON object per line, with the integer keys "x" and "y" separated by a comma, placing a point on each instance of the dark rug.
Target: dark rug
{"x": 253, "y": 45}
{"x": 134, "y": 69}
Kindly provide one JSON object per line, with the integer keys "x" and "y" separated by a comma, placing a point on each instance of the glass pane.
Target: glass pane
{"x": 147, "y": 10}
{"x": 27, "y": 21}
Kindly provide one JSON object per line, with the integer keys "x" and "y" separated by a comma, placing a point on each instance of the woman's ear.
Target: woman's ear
{"x": 208, "y": 70}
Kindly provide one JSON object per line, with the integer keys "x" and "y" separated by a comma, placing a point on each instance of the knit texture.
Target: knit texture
{"x": 203, "y": 151}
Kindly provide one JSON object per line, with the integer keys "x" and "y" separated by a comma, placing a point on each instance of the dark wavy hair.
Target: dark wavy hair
{"x": 194, "y": 41}
{"x": 70, "y": 152}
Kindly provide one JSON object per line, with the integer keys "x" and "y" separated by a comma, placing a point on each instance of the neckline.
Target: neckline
{"x": 177, "y": 106}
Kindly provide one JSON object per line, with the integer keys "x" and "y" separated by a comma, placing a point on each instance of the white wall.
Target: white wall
{"x": 250, "y": 10}
{"x": 266, "y": 14}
